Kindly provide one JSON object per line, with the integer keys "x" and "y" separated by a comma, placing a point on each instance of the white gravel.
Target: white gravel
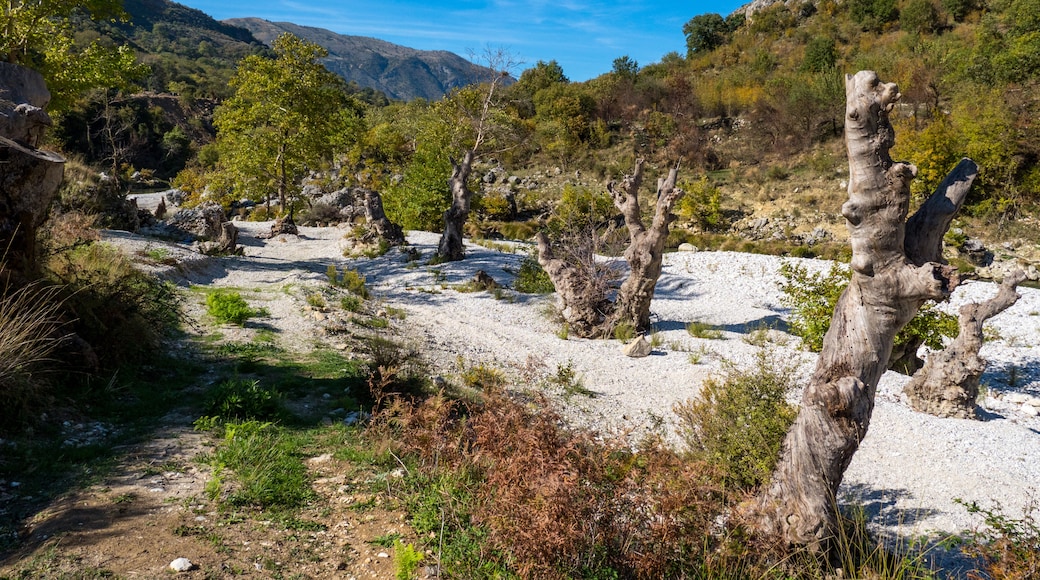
{"x": 908, "y": 471}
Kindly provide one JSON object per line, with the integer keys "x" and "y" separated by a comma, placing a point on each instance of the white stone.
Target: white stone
{"x": 638, "y": 348}
{"x": 181, "y": 565}
{"x": 1031, "y": 410}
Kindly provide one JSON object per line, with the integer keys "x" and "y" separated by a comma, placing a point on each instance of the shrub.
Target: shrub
{"x": 813, "y": 297}
{"x": 702, "y": 204}
{"x": 120, "y": 311}
{"x": 1008, "y": 548}
{"x": 229, "y": 307}
{"x": 739, "y": 421}
{"x": 240, "y": 399}
{"x": 532, "y": 279}
{"x": 351, "y": 280}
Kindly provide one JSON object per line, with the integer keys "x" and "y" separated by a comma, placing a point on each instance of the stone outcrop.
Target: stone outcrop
{"x": 29, "y": 177}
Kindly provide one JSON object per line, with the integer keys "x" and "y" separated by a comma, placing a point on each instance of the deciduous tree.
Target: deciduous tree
{"x": 288, "y": 114}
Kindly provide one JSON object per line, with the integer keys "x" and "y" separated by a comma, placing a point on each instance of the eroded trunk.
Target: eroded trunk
{"x": 948, "y": 384}
{"x": 645, "y": 253}
{"x": 895, "y": 269}
{"x": 582, "y": 292}
{"x": 450, "y": 247}
{"x": 377, "y": 220}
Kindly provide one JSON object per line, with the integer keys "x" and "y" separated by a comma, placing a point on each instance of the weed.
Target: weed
{"x": 569, "y": 380}
{"x": 406, "y": 560}
{"x": 1009, "y": 548}
{"x": 484, "y": 378}
{"x": 739, "y": 421}
{"x": 386, "y": 540}
{"x": 564, "y": 331}
{"x": 228, "y": 306}
{"x": 28, "y": 337}
{"x": 703, "y": 330}
{"x": 351, "y": 280}
{"x": 158, "y": 254}
{"x": 625, "y": 331}
{"x": 266, "y": 466}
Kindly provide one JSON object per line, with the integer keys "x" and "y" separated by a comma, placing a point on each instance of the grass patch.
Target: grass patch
{"x": 703, "y": 330}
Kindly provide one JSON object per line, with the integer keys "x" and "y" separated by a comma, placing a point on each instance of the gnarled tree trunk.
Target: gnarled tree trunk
{"x": 896, "y": 267}
{"x": 450, "y": 247}
{"x": 645, "y": 253}
{"x": 948, "y": 384}
{"x": 581, "y": 288}
{"x": 377, "y": 220}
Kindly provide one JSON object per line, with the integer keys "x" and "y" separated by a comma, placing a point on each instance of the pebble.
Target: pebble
{"x": 181, "y": 565}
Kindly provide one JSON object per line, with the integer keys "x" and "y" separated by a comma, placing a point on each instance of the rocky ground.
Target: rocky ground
{"x": 908, "y": 472}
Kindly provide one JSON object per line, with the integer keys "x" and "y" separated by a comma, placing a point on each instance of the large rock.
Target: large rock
{"x": 30, "y": 177}
{"x": 23, "y": 95}
{"x": 202, "y": 222}
{"x": 638, "y": 348}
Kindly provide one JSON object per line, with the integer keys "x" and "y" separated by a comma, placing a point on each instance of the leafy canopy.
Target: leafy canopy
{"x": 287, "y": 115}
{"x": 39, "y": 34}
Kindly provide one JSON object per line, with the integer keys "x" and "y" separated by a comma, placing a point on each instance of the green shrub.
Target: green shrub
{"x": 702, "y": 204}
{"x": 813, "y": 297}
{"x": 739, "y": 421}
{"x": 228, "y": 306}
{"x": 120, "y": 311}
{"x": 532, "y": 279}
{"x": 406, "y": 560}
{"x": 483, "y": 378}
{"x": 240, "y": 399}
{"x": 351, "y": 280}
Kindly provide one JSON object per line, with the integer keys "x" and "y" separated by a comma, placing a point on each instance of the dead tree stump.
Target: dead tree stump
{"x": 896, "y": 267}
{"x": 948, "y": 384}
{"x": 377, "y": 220}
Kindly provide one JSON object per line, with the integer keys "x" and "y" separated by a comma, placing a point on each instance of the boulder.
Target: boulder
{"x": 23, "y": 95}
{"x": 638, "y": 348}
{"x": 202, "y": 222}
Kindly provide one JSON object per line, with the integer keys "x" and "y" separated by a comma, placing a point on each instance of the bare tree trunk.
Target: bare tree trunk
{"x": 581, "y": 291}
{"x": 890, "y": 281}
{"x": 645, "y": 253}
{"x": 384, "y": 228}
{"x": 450, "y": 247}
{"x": 948, "y": 384}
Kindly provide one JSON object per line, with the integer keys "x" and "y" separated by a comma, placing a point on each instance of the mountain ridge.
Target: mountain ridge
{"x": 400, "y": 72}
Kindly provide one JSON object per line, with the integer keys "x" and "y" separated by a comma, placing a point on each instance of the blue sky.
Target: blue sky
{"x": 583, "y": 36}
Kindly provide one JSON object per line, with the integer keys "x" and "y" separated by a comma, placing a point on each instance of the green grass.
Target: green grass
{"x": 228, "y": 307}
{"x": 703, "y": 330}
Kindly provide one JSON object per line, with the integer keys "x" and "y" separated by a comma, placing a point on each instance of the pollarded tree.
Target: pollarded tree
{"x": 896, "y": 267}
{"x": 288, "y": 114}
{"x": 586, "y": 307}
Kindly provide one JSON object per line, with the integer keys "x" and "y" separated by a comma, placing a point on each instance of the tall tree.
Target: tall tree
{"x": 896, "y": 266}
{"x": 288, "y": 114}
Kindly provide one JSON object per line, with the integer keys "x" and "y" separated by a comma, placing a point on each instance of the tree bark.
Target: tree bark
{"x": 896, "y": 267}
{"x": 581, "y": 291}
{"x": 377, "y": 220}
{"x": 948, "y": 384}
{"x": 645, "y": 253}
{"x": 450, "y": 247}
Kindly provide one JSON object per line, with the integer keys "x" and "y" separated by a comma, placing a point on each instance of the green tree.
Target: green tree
{"x": 919, "y": 16}
{"x": 39, "y": 34}
{"x": 288, "y": 114}
{"x": 820, "y": 54}
{"x": 704, "y": 33}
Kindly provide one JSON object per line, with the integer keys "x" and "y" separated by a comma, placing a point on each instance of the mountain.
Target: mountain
{"x": 399, "y": 72}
